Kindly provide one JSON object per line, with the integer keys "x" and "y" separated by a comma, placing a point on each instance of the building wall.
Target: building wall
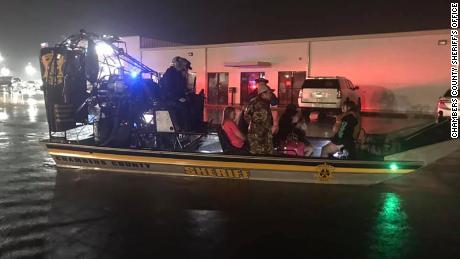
{"x": 133, "y": 46}
{"x": 395, "y": 72}
{"x": 283, "y": 57}
{"x": 160, "y": 60}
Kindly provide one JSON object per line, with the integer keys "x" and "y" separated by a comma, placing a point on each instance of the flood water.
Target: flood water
{"x": 51, "y": 213}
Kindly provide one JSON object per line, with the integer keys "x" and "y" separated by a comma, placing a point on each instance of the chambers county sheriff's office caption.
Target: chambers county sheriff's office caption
{"x": 454, "y": 69}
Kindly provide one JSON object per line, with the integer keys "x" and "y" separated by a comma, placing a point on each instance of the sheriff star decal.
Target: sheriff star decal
{"x": 324, "y": 172}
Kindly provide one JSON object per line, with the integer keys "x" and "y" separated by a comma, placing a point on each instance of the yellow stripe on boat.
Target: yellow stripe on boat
{"x": 208, "y": 163}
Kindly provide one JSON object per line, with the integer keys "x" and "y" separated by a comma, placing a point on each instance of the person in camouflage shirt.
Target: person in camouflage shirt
{"x": 259, "y": 117}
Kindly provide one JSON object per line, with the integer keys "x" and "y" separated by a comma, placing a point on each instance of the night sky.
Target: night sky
{"x": 24, "y": 24}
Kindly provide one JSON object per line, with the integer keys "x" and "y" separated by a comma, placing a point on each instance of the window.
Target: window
{"x": 349, "y": 84}
{"x": 218, "y": 88}
{"x": 321, "y": 83}
{"x": 289, "y": 85}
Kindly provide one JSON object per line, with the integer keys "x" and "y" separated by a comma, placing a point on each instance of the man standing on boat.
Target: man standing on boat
{"x": 174, "y": 90}
{"x": 259, "y": 117}
{"x": 242, "y": 125}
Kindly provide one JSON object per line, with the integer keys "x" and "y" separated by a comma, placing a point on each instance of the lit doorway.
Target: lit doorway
{"x": 289, "y": 85}
{"x": 218, "y": 88}
{"x": 248, "y": 84}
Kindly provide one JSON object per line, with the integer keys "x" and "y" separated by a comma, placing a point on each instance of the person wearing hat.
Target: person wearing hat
{"x": 242, "y": 124}
{"x": 174, "y": 90}
{"x": 259, "y": 117}
{"x": 273, "y": 102}
{"x": 259, "y": 82}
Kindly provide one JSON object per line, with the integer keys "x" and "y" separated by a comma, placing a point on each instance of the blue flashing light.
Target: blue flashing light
{"x": 134, "y": 74}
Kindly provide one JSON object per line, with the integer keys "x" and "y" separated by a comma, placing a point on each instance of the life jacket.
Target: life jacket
{"x": 357, "y": 128}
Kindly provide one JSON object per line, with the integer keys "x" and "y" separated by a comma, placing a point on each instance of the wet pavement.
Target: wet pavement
{"x": 50, "y": 213}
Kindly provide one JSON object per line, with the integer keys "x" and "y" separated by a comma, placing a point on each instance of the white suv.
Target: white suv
{"x": 327, "y": 93}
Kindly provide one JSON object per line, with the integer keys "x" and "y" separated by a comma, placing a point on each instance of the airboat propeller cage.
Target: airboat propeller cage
{"x": 64, "y": 83}
{"x": 69, "y": 67}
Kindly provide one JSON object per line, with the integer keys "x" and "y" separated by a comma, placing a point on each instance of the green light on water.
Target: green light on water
{"x": 391, "y": 231}
{"x": 394, "y": 167}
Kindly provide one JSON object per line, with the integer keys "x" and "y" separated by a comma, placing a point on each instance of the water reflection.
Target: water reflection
{"x": 22, "y": 97}
{"x": 3, "y": 115}
{"x": 4, "y": 140}
{"x": 32, "y": 110}
{"x": 391, "y": 230}
{"x": 30, "y": 98}
{"x": 206, "y": 223}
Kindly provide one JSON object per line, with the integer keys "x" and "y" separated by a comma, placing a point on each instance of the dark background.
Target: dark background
{"x": 24, "y": 24}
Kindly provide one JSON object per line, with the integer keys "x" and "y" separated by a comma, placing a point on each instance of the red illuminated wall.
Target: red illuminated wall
{"x": 395, "y": 73}
{"x": 399, "y": 72}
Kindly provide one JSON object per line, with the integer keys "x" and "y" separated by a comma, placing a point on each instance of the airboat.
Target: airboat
{"x": 105, "y": 113}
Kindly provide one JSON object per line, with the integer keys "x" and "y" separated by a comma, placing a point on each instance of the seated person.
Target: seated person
{"x": 344, "y": 131}
{"x": 291, "y": 130}
{"x": 302, "y": 122}
{"x": 237, "y": 139}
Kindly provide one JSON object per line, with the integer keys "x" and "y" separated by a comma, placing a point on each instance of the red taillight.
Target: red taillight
{"x": 339, "y": 94}
{"x": 442, "y": 104}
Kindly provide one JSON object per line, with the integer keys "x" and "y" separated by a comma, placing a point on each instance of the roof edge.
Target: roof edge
{"x": 312, "y": 39}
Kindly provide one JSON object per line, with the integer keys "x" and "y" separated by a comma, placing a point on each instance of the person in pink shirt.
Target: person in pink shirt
{"x": 231, "y": 129}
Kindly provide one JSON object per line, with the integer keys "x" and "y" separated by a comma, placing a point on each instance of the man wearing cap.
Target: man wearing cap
{"x": 259, "y": 117}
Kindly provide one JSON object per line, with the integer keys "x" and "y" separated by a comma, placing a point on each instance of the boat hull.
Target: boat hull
{"x": 324, "y": 171}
